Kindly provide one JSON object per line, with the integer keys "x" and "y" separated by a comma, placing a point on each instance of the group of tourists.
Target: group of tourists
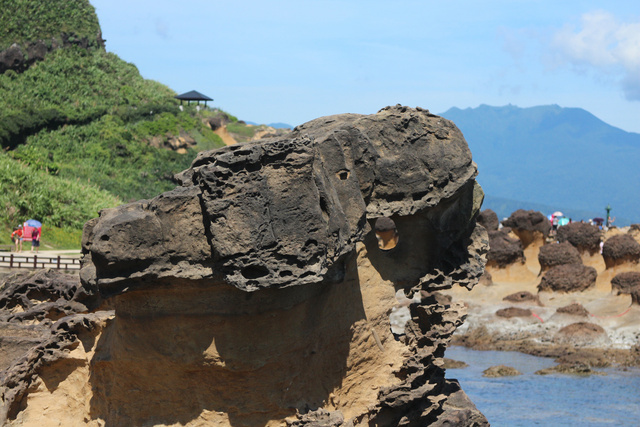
{"x": 18, "y": 236}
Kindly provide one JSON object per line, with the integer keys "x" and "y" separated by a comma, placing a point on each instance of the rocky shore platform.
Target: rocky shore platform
{"x": 564, "y": 296}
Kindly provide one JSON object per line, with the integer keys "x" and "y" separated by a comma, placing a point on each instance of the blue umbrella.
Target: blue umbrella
{"x": 33, "y": 223}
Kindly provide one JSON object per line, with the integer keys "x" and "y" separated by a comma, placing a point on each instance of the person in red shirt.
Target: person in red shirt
{"x": 35, "y": 239}
{"x": 16, "y": 236}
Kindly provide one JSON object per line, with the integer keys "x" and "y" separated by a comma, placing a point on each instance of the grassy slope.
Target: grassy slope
{"x": 76, "y": 127}
{"x": 29, "y": 20}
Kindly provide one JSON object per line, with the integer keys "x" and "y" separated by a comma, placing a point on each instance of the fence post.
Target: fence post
{"x": 58, "y": 262}
{"x": 35, "y": 261}
{"x": 11, "y": 261}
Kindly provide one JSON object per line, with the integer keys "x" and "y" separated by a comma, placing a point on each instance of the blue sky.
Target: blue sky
{"x": 293, "y": 61}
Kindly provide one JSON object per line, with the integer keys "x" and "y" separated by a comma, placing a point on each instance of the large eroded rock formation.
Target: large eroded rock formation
{"x": 256, "y": 293}
{"x": 530, "y": 226}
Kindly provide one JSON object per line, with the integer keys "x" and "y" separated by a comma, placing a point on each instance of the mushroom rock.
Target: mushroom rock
{"x": 585, "y": 237}
{"x": 256, "y": 293}
{"x": 557, "y": 254}
{"x": 620, "y": 249}
{"x": 627, "y": 283}
{"x": 530, "y": 226}
{"x": 504, "y": 250}
{"x": 575, "y": 309}
{"x": 568, "y": 278}
{"x": 583, "y": 334}
{"x": 523, "y": 296}
{"x": 489, "y": 220}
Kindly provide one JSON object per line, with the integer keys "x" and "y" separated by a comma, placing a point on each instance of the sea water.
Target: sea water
{"x": 546, "y": 400}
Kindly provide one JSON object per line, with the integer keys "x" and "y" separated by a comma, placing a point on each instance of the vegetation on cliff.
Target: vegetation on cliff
{"x": 81, "y": 129}
{"x": 24, "y": 21}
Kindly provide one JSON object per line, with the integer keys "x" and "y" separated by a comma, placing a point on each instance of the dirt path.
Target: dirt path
{"x": 226, "y": 137}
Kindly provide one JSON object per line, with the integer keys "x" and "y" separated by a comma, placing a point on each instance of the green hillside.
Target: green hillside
{"x": 23, "y": 21}
{"x": 80, "y": 129}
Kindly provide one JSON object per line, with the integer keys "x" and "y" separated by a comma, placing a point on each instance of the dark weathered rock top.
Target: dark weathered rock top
{"x": 558, "y": 254}
{"x": 283, "y": 211}
{"x": 489, "y": 220}
{"x": 528, "y": 221}
{"x": 585, "y": 237}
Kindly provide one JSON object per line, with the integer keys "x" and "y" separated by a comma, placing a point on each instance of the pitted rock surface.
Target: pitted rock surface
{"x": 585, "y": 237}
{"x": 231, "y": 292}
{"x": 31, "y": 304}
{"x": 283, "y": 211}
{"x": 29, "y": 289}
{"x": 558, "y": 254}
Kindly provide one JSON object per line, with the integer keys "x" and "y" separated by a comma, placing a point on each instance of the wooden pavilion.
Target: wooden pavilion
{"x": 193, "y": 96}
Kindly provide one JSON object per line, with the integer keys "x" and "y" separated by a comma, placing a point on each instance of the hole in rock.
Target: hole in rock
{"x": 254, "y": 167}
{"x": 343, "y": 174}
{"x": 400, "y": 314}
{"x": 387, "y": 233}
{"x": 104, "y": 238}
{"x": 254, "y": 271}
{"x": 324, "y": 208}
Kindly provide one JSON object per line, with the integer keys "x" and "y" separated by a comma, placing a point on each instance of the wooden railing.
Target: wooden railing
{"x": 35, "y": 261}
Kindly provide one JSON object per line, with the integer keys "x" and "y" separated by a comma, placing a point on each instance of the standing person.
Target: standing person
{"x": 17, "y": 238}
{"x": 554, "y": 225}
{"x": 35, "y": 239}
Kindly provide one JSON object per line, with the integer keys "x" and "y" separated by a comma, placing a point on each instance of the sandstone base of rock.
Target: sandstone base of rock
{"x": 192, "y": 357}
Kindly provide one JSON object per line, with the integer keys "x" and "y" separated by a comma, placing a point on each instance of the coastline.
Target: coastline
{"x": 596, "y": 327}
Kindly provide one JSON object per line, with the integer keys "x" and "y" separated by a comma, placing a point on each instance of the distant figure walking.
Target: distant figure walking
{"x": 35, "y": 239}
{"x": 17, "y": 237}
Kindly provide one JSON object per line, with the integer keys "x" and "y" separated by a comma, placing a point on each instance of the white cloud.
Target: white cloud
{"x": 605, "y": 45}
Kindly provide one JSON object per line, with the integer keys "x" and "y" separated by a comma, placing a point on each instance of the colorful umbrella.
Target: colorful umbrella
{"x": 558, "y": 214}
{"x": 33, "y": 223}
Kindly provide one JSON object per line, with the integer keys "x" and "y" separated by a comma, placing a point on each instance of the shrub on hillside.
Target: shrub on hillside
{"x": 27, "y": 193}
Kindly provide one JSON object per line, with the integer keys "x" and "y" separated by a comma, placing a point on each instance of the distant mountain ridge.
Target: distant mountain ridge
{"x": 273, "y": 125}
{"x": 553, "y": 156}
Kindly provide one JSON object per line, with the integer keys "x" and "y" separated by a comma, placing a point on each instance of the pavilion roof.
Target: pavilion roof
{"x": 193, "y": 96}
